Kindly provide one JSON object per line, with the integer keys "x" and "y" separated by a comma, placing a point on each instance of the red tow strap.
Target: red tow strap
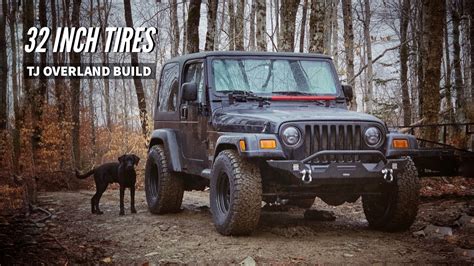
{"x": 302, "y": 98}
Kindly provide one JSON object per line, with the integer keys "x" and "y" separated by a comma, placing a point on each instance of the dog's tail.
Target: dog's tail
{"x": 84, "y": 176}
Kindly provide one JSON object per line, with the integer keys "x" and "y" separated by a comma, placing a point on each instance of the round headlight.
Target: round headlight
{"x": 373, "y": 136}
{"x": 291, "y": 136}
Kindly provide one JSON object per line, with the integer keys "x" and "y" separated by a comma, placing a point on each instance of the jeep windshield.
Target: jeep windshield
{"x": 274, "y": 76}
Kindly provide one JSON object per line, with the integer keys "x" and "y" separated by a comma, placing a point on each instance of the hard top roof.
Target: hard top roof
{"x": 200, "y": 55}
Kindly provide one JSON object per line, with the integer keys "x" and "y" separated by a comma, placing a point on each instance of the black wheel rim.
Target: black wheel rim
{"x": 223, "y": 193}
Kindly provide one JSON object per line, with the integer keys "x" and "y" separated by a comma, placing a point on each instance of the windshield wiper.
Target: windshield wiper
{"x": 244, "y": 96}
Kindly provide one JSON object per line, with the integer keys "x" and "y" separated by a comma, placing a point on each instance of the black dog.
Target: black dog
{"x": 122, "y": 172}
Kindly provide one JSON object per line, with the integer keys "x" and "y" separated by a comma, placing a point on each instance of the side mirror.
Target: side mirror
{"x": 189, "y": 90}
{"x": 348, "y": 92}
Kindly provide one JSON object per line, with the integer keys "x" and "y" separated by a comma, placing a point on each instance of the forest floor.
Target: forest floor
{"x": 442, "y": 233}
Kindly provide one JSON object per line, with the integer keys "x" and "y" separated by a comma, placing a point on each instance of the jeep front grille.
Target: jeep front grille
{"x": 332, "y": 136}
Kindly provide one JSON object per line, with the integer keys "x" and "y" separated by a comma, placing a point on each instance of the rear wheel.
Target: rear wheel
{"x": 236, "y": 194}
{"x": 164, "y": 189}
{"x": 395, "y": 208}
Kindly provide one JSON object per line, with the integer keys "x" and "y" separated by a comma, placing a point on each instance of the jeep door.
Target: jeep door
{"x": 194, "y": 119}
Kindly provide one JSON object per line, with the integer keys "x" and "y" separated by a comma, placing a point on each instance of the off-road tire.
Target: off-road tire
{"x": 302, "y": 203}
{"x": 164, "y": 189}
{"x": 396, "y": 208}
{"x": 243, "y": 194}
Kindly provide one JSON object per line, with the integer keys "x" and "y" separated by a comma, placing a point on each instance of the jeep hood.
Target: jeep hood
{"x": 268, "y": 119}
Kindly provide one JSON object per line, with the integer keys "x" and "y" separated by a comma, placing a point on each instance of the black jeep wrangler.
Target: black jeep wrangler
{"x": 274, "y": 128}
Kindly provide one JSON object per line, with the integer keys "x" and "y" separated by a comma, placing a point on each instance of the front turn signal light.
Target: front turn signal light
{"x": 400, "y": 143}
{"x": 242, "y": 145}
{"x": 268, "y": 144}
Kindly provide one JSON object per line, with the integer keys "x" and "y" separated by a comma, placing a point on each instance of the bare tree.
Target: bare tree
{"x": 369, "y": 97}
{"x": 303, "y": 24}
{"x": 104, "y": 22}
{"x": 316, "y": 29}
{"x": 252, "y": 25}
{"x": 211, "y": 24}
{"x": 447, "y": 85}
{"x": 231, "y": 25}
{"x": 458, "y": 82}
{"x": 286, "y": 39}
{"x": 433, "y": 13}
{"x": 194, "y": 15}
{"x": 404, "y": 17}
{"x": 261, "y": 7}
{"x": 239, "y": 25}
{"x": 75, "y": 59}
{"x": 3, "y": 70}
{"x": 175, "y": 26}
{"x": 15, "y": 88}
{"x": 136, "y": 80}
{"x": 349, "y": 45}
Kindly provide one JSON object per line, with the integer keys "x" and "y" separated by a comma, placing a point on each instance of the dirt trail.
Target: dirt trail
{"x": 189, "y": 236}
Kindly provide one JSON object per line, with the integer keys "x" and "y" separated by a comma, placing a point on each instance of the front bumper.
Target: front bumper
{"x": 336, "y": 172}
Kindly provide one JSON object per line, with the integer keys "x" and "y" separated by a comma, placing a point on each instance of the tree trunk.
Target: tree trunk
{"x": 316, "y": 30}
{"x": 136, "y": 80}
{"x": 239, "y": 25}
{"x": 404, "y": 62}
{"x": 261, "y": 7}
{"x": 471, "y": 37}
{"x": 194, "y": 15}
{"x": 335, "y": 36}
{"x": 252, "y": 26}
{"x": 91, "y": 88}
{"x": 432, "y": 49}
{"x": 349, "y": 46}
{"x": 231, "y": 25}
{"x": 15, "y": 88}
{"x": 28, "y": 85}
{"x": 448, "y": 86}
{"x": 3, "y": 71}
{"x": 286, "y": 41}
{"x": 211, "y": 24}
{"x": 303, "y": 24}
{"x": 175, "y": 27}
{"x": 460, "y": 102}
{"x": 104, "y": 21}
{"x": 75, "y": 59}
{"x": 369, "y": 97}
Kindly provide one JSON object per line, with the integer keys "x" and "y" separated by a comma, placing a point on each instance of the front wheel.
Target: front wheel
{"x": 236, "y": 194}
{"x": 395, "y": 209}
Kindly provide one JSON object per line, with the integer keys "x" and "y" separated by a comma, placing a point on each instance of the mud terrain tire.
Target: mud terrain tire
{"x": 164, "y": 189}
{"x": 236, "y": 194}
{"x": 395, "y": 209}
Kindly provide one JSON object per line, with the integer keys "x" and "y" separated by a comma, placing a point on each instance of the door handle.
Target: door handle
{"x": 184, "y": 112}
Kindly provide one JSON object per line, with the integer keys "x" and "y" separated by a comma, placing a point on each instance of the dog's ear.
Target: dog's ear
{"x": 136, "y": 159}
{"x": 120, "y": 159}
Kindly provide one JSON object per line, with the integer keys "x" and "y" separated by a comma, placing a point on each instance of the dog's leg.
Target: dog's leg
{"x": 122, "y": 194}
{"x": 132, "y": 199}
{"x": 93, "y": 203}
{"x": 98, "y": 195}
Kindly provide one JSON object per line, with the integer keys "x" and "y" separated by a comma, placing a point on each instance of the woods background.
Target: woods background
{"x": 409, "y": 61}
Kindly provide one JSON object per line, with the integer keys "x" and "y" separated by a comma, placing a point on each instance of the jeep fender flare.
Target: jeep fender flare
{"x": 167, "y": 137}
{"x": 227, "y": 142}
{"x": 252, "y": 148}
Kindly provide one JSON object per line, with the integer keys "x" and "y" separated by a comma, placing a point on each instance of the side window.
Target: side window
{"x": 169, "y": 88}
{"x": 194, "y": 72}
